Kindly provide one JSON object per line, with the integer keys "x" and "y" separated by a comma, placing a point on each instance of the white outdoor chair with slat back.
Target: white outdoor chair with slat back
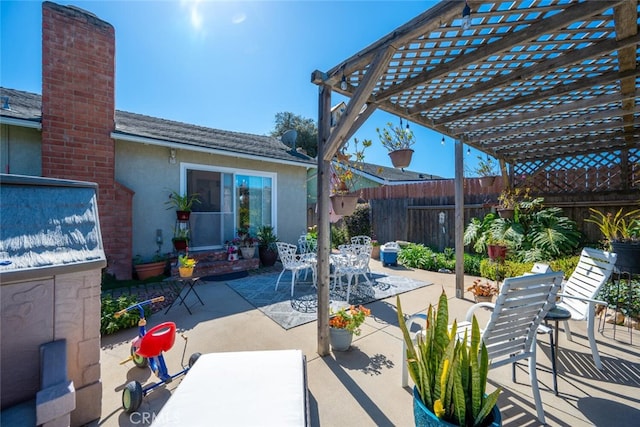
{"x": 290, "y": 261}
{"x": 579, "y": 291}
{"x": 510, "y": 334}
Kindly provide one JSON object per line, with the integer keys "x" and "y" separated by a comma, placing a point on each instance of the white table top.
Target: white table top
{"x": 249, "y": 388}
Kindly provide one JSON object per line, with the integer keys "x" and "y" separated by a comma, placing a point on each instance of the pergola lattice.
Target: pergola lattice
{"x": 547, "y": 86}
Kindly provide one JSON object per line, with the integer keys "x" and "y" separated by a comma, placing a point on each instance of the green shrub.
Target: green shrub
{"x": 359, "y": 223}
{"x": 618, "y": 296}
{"x": 417, "y": 256}
{"x": 472, "y": 264}
{"x": 109, "y": 323}
{"x": 567, "y": 265}
{"x": 339, "y": 235}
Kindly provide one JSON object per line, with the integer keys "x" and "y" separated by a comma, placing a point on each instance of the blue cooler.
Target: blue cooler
{"x": 389, "y": 254}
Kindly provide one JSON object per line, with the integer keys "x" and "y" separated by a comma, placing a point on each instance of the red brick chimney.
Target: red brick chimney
{"x": 78, "y": 109}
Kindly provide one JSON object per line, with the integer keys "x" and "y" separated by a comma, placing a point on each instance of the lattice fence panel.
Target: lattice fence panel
{"x": 596, "y": 172}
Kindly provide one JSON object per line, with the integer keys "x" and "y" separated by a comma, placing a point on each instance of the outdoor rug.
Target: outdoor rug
{"x": 289, "y": 312}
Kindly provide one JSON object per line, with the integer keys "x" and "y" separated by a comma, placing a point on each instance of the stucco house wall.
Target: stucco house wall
{"x": 145, "y": 169}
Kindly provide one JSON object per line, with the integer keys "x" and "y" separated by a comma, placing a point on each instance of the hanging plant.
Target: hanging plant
{"x": 398, "y": 140}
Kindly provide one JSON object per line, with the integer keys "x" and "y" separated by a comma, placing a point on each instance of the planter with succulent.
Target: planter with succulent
{"x": 344, "y": 324}
{"x": 450, "y": 374}
{"x": 153, "y": 267}
{"x": 186, "y": 265}
{"x": 182, "y": 204}
{"x": 267, "y": 248}
{"x": 483, "y": 290}
{"x": 375, "y": 249}
{"x": 398, "y": 140}
{"x": 621, "y": 232}
{"x": 345, "y": 176}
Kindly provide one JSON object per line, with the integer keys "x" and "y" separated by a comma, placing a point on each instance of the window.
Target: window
{"x": 229, "y": 199}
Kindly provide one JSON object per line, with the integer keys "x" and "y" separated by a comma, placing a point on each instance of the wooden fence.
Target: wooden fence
{"x": 424, "y": 212}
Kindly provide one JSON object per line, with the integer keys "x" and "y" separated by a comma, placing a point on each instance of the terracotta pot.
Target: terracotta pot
{"x": 344, "y": 204}
{"x": 483, "y": 298}
{"x": 401, "y": 158}
{"x": 151, "y": 269}
{"x": 375, "y": 252}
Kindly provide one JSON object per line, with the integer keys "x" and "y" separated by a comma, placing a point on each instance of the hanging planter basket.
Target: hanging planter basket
{"x": 486, "y": 181}
{"x": 506, "y": 213}
{"x": 344, "y": 204}
{"x": 180, "y": 245}
{"x": 401, "y": 158}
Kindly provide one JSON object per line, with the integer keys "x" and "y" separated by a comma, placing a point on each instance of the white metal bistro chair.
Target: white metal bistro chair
{"x": 579, "y": 291}
{"x": 353, "y": 262}
{"x": 510, "y": 334}
{"x": 290, "y": 261}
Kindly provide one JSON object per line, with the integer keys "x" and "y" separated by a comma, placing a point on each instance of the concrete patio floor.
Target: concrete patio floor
{"x": 361, "y": 387}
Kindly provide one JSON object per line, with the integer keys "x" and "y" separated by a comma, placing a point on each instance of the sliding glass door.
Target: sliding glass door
{"x": 229, "y": 199}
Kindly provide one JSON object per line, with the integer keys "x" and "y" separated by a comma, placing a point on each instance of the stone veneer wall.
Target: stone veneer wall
{"x": 42, "y": 310}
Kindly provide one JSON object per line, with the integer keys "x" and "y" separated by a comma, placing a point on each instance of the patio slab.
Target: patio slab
{"x": 361, "y": 387}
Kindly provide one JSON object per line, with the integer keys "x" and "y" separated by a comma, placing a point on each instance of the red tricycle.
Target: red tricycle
{"x": 146, "y": 351}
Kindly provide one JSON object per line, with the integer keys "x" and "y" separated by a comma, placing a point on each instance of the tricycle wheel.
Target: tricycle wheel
{"x": 132, "y": 397}
{"x": 139, "y": 361}
{"x": 193, "y": 358}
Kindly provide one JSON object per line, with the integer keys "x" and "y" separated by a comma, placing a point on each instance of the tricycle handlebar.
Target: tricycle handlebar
{"x": 139, "y": 305}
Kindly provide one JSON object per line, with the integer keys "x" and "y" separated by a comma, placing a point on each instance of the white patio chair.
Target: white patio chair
{"x": 510, "y": 334}
{"x": 361, "y": 240}
{"x": 308, "y": 247}
{"x": 354, "y": 261}
{"x": 290, "y": 261}
{"x": 579, "y": 291}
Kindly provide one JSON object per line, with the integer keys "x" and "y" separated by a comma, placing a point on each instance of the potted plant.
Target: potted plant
{"x": 483, "y": 290}
{"x": 621, "y": 232}
{"x": 186, "y": 265}
{"x": 182, "y": 204}
{"x": 450, "y": 374}
{"x": 247, "y": 243}
{"x": 232, "y": 253}
{"x": 149, "y": 268}
{"x": 509, "y": 200}
{"x": 398, "y": 141}
{"x": 267, "y": 248}
{"x": 375, "y": 249}
{"x": 486, "y": 170}
{"x": 344, "y": 324}
{"x": 344, "y": 178}
{"x": 180, "y": 239}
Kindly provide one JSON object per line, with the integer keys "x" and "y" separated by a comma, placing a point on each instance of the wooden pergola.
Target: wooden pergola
{"x": 542, "y": 85}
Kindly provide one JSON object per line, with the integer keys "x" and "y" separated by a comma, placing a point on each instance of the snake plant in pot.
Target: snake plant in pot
{"x": 449, "y": 372}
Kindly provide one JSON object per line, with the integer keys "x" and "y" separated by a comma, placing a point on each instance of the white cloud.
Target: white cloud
{"x": 239, "y": 18}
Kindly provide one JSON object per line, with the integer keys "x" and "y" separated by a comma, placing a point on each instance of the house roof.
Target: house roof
{"x": 389, "y": 175}
{"x": 26, "y": 107}
{"x": 546, "y": 85}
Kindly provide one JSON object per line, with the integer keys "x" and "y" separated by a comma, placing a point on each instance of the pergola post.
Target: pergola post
{"x": 324, "y": 234}
{"x": 459, "y": 218}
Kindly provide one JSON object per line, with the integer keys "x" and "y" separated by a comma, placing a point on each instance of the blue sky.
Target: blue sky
{"x": 228, "y": 64}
